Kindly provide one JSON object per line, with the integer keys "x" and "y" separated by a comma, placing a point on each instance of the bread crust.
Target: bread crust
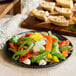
{"x": 66, "y": 14}
{"x": 64, "y": 4}
{"x": 58, "y": 23}
{"x": 49, "y": 8}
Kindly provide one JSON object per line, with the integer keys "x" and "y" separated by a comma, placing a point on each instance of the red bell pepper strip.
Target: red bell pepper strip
{"x": 22, "y": 48}
{"x": 64, "y": 43}
{"x": 48, "y": 46}
{"x": 13, "y": 46}
{"x": 53, "y": 39}
{"x": 20, "y": 42}
{"x": 28, "y": 55}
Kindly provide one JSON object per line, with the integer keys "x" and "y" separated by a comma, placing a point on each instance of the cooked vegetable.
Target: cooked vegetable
{"x": 24, "y": 38}
{"x": 12, "y": 50}
{"x": 25, "y": 42}
{"x": 19, "y": 53}
{"x": 13, "y": 46}
{"x": 38, "y": 47}
{"x": 54, "y": 38}
{"x": 55, "y": 47}
{"x": 28, "y": 62}
{"x": 64, "y": 48}
{"x": 49, "y": 56}
{"x": 55, "y": 59}
{"x": 37, "y": 36}
{"x": 59, "y": 55}
{"x": 64, "y": 43}
{"x": 71, "y": 28}
{"x": 42, "y": 62}
{"x": 49, "y": 43}
{"x": 55, "y": 51}
{"x": 39, "y": 57}
{"x": 15, "y": 38}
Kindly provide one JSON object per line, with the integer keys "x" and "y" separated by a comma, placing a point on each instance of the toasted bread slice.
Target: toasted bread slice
{"x": 74, "y": 0}
{"x": 58, "y": 20}
{"x": 65, "y": 3}
{"x": 47, "y": 5}
{"x": 74, "y": 19}
{"x": 64, "y": 11}
{"x": 40, "y": 14}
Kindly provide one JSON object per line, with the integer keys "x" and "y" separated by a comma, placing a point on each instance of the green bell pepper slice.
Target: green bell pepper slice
{"x": 49, "y": 32}
{"x": 12, "y": 50}
{"x": 19, "y": 53}
{"x": 39, "y": 57}
{"x": 59, "y": 55}
{"x": 55, "y": 51}
{"x": 65, "y": 47}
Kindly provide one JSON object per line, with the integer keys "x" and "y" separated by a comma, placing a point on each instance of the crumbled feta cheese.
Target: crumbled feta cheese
{"x": 27, "y": 62}
{"x": 42, "y": 62}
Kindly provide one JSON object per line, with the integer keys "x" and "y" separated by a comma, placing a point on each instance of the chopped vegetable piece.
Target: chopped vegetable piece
{"x": 59, "y": 55}
{"x": 14, "y": 51}
{"x": 19, "y": 53}
{"x": 24, "y": 38}
{"x": 54, "y": 38}
{"x": 28, "y": 62}
{"x": 25, "y": 42}
{"x": 64, "y": 48}
{"x": 55, "y": 47}
{"x": 49, "y": 43}
{"x": 55, "y": 51}
{"x": 65, "y": 53}
{"x": 15, "y": 38}
{"x": 42, "y": 62}
{"x": 25, "y": 57}
{"x": 16, "y": 58}
{"x": 37, "y": 36}
{"x": 64, "y": 43}
{"x": 55, "y": 59}
{"x": 49, "y": 56}
{"x": 13, "y": 46}
{"x": 71, "y": 28}
{"x": 39, "y": 57}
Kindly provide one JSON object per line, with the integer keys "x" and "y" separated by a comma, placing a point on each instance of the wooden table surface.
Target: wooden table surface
{"x": 5, "y": 7}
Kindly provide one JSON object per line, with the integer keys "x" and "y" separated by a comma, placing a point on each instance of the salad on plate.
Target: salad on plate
{"x": 42, "y": 48}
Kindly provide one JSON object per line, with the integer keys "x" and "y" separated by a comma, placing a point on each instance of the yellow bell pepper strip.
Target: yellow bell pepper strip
{"x": 39, "y": 57}
{"x": 49, "y": 56}
{"x": 37, "y": 36}
{"x": 49, "y": 43}
{"x": 64, "y": 43}
{"x": 55, "y": 59}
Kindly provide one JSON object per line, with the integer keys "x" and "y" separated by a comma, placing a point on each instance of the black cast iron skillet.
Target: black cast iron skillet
{"x": 34, "y": 65}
